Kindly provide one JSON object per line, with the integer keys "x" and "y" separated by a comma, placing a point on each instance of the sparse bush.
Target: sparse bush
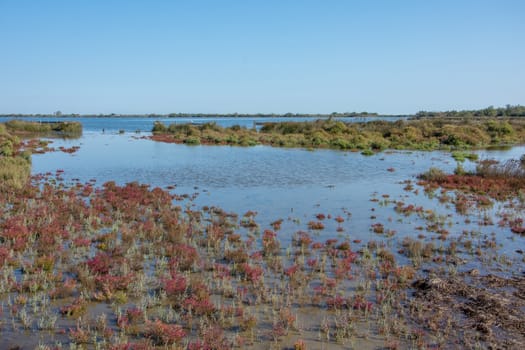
{"x": 14, "y": 172}
{"x": 433, "y": 174}
{"x": 164, "y": 334}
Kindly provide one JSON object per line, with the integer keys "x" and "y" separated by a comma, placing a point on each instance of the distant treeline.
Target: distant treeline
{"x": 273, "y": 115}
{"x": 201, "y": 115}
{"x": 491, "y": 112}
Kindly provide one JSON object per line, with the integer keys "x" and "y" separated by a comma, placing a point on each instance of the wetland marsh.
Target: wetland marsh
{"x": 128, "y": 243}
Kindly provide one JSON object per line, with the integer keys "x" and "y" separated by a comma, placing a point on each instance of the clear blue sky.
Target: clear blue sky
{"x": 301, "y": 56}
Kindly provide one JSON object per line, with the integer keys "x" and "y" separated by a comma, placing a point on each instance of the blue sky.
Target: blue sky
{"x": 90, "y": 56}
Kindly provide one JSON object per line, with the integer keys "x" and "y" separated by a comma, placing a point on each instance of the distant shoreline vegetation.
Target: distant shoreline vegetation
{"x": 368, "y": 137}
{"x": 507, "y": 111}
{"x": 202, "y": 115}
{"x": 490, "y": 112}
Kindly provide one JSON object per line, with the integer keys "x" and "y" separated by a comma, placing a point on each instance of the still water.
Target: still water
{"x": 292, "y": 184}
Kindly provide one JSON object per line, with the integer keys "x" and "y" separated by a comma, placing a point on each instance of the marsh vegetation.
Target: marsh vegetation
{"x": 415, "y": 134}
{"x": 15, "y": 164}
{"x": 435, "y": 262}
{"x": 64, "y": 129}
{"x": 19, "y": 139}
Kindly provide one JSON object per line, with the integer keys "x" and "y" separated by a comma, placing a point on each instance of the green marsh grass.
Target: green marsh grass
{"x": 369, "y": 137}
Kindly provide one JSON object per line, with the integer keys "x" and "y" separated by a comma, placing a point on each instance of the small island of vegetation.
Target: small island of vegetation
{"x": 63, "y": 129}
{"x": 427, "y": 133}
{"x": 15, "y": 164}
{"x": 17, "y": 143}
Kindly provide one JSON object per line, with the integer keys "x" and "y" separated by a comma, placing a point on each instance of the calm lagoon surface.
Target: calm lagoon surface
{"x": 292, "y": 184}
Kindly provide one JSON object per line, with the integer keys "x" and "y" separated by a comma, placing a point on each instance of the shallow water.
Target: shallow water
{"x": 268, "y": 180}
{"x": 293, "y": 184}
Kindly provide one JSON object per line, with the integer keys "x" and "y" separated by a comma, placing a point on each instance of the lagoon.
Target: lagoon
{"x": 293, "y": 184}
{"x": 372, "y": 206}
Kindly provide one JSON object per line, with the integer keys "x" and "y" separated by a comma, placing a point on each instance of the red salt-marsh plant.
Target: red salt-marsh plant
{"x": 315, "y": 225}
{"x": 378, "y": 228}
{"x": 270, "y": 243}
{"x": 70, "y": 150}
{"x": 251, "y": 273}
{"x": 277, "y": 224}
{"x": 79, "y": 335}
{"x": 164, "y": 334}
{"x": 300, "y": 345}
{"x": 77, "y": 307}
{"x": 173, "y": 275}
{"x": 516, "y": 226}
{"x": 176, "y": 285}
{"x": 301, "y": 239}
{"x": 199, "y": 306}
{"x": 183, "y": 258}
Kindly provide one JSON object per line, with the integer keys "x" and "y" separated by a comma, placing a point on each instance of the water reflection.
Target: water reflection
{"x": 125, "y": 159}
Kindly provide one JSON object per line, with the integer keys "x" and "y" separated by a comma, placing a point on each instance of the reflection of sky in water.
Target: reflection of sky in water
{"x": 124, "y": 158}
{"x": 275, "y": 182}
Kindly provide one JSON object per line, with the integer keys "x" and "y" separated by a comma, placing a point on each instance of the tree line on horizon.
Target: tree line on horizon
{"x": 491, "y": 111}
